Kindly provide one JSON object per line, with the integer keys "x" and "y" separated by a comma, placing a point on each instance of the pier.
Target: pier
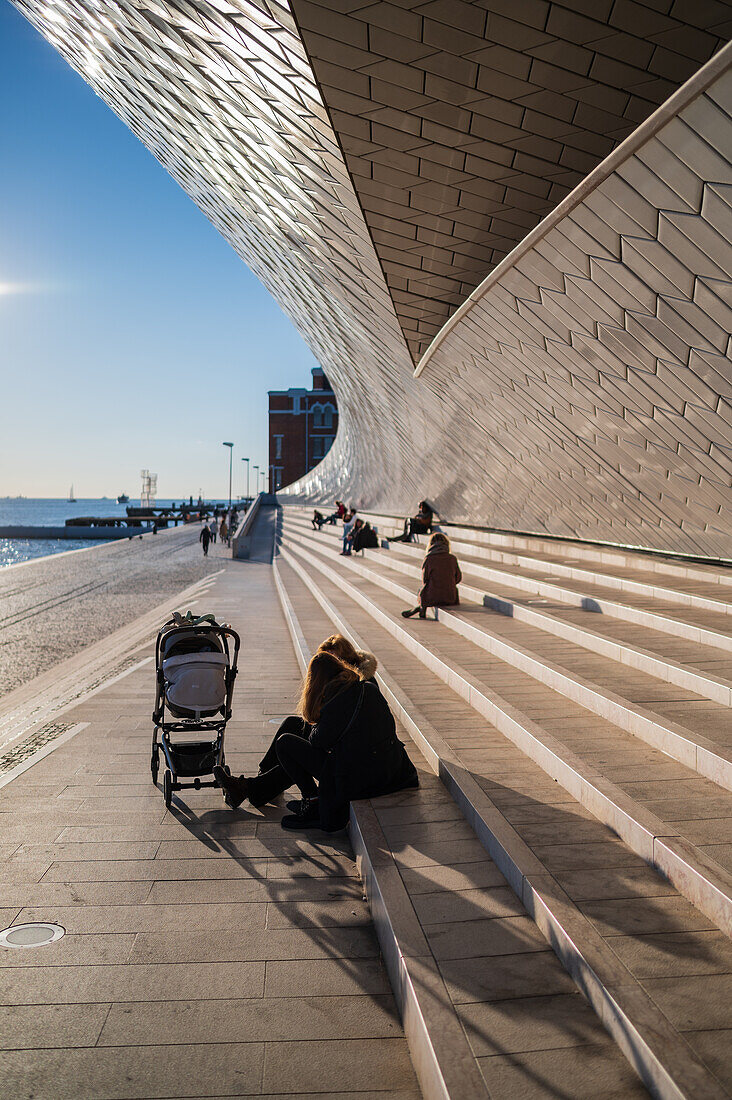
{"x": 114, "y": 528}
{"x": 138, "y": 521}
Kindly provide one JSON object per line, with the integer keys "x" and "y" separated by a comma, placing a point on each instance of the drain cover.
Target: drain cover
{"x": 30, "y": 935}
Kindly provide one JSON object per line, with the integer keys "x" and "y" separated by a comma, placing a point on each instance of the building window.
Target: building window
{"x": 278, "y": 445}
{"x": 323, "y": 415}
{"x": 319, "y": 446}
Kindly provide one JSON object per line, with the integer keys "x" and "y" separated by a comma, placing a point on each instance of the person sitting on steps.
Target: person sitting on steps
{"x": 440, "y": 576}
{"x": 351, "y": 749}
{"x": 421, "y": 524}
{"x": 363, "y": 663}
{"x": 340, "y": 511}
{"x": 364, "y": 537}
{"x": 349, "y": 522}
{"x": 349, "y": 540}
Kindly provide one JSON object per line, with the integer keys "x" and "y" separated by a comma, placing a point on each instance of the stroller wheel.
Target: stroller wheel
{"x": 154, "y": 767}
{"x": 168, "y": 787}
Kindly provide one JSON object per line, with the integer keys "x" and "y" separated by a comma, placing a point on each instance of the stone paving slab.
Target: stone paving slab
{"x": 206, "y": 953}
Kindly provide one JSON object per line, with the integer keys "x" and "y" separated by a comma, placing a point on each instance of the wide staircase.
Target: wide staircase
{"x": 554, "y": 904}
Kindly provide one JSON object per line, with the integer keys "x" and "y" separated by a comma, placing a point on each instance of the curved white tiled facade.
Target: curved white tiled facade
{"x": 598, "y": 363}
{"x": 587, "y": 389}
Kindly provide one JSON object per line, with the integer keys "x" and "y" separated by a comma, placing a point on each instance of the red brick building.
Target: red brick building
{"x": 302, "y": 427}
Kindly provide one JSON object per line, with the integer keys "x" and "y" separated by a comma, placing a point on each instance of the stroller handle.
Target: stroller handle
{"x": 226, "y": 633}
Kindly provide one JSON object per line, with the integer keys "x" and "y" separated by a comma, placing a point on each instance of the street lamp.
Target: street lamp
{"x": 247, "y": 462}
{"x": 231, "y": 457}
{"x": 263, "y": 476}
{"x": 256, "y": 478}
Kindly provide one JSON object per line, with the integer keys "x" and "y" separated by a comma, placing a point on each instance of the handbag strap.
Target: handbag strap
{"x": 353, "y": 717}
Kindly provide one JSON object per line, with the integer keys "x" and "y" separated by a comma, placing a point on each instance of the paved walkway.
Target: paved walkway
{"x": 206, "y": 953}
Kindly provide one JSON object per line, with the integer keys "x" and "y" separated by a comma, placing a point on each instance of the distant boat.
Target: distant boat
{"x": 123, "y": 498}
{"x": 72, "y": 498}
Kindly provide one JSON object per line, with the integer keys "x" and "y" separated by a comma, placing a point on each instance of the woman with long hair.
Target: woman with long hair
{"x": 293, "y": 758}
{"x": 440, "y": 577}
{"x": 364, "y": 664}
{"x": 420, "y": 524}
{"x": 346, "y": 740}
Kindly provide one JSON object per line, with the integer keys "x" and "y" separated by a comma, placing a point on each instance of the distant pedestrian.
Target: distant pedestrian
{"x": 212, "y": 529}
{"x": 204, "y": 538}
{"x": 224, "y": 531}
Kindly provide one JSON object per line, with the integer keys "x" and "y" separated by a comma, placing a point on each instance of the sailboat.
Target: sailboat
{"x": 72, "y": 498}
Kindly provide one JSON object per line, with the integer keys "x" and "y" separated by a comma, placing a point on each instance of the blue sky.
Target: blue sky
{"x": 131, "y": 334}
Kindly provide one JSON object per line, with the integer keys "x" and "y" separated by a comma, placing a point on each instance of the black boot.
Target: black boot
{"x": 235, "y": 789}
{"x": 408, "y": 614}
{"x": 305, "y": 817}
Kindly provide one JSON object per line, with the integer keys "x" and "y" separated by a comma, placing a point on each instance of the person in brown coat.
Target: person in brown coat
{"x": 441, "y": 576}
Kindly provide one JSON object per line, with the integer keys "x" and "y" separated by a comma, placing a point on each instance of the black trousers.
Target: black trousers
{"x": 412, "y": 527}
{"x": 289, "y": 759}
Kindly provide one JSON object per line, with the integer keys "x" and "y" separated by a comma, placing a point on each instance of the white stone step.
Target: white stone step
{"x": 659, "y": 1053}
{"x": 702, "y": 754}
{"x": 668, "y": 566}
{"x": 707, "y": 885}
{"x": 713, "y": 687}
{"x": 440, "y": 1050}
{"x": 692, "y": 593}
{"x": 692, "y": 624}
{"x": 505, "y": 599}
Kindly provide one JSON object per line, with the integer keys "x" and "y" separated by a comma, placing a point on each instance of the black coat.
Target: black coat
{"x": 364, "y": 756}
{"x": 365, "y": 538}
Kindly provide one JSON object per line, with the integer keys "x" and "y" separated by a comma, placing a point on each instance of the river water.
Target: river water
{"x": 50, "y": 512}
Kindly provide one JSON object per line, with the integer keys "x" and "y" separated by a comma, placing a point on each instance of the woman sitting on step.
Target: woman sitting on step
{"x": 364, "y": 664}
{"x": 440, "y": 575}
{"x": 346, "y": 740}
{"x": 421, "y": 524}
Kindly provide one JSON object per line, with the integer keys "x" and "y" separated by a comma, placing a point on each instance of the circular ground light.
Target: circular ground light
{"x": 30, "y": 935}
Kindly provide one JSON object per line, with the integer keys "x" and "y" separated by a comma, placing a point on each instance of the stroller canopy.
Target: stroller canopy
{"x": 195, "y": 683}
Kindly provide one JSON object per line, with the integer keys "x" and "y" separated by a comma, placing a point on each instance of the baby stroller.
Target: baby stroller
{"x": 195, "y": 661}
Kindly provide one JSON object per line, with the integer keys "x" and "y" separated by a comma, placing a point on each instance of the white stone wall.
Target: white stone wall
{"x": 598, "y": 364}
{"x": 585, "y": 392}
